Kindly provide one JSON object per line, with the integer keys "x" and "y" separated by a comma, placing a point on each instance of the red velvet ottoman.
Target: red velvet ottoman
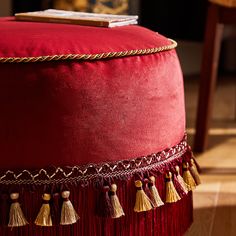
{"x": 92, "y": 132}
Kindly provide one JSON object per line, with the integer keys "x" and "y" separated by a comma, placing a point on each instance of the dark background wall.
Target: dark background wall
{"x": 182, "y": 19}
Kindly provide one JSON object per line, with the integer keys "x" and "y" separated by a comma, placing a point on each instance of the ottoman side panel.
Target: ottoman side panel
{"x": 66, "y": 113}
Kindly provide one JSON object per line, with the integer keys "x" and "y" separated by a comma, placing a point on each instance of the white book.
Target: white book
{"x": 80, "y": 18}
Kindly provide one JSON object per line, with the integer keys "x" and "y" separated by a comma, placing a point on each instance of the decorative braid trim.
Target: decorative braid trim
{"x": 89, "y": 57}
{"x": 124, "y": 169}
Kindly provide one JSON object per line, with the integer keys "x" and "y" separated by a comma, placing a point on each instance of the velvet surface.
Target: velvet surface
{"x": 25, "y": 39}
{"x": 73, "y": 113}
{"x": 68, "y": 113}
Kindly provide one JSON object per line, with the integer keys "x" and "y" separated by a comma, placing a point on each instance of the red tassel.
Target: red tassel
{"x": 55, "y": 209}
{"x": 104, "y": 207}
{"x": 4, "y": 209}
{"x": 179, "y": 188}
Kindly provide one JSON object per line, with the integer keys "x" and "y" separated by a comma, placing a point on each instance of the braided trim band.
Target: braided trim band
{"x": 85, "y": 174}
{"x": 89, "y": 57}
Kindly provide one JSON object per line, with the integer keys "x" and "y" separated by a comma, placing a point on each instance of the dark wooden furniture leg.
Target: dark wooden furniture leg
{"x": 211, "y": 50}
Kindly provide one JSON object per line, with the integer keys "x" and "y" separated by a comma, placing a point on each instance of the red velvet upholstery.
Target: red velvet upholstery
{"x": 69, "y": 113}
{"x": 78, "y": 112}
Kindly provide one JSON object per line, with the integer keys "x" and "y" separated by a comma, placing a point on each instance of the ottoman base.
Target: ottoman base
{"x": 88, "y": 195}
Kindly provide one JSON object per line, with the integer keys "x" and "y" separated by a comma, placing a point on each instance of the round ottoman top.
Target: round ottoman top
{"x": 31, "y": 39}
{"x": 73, "y": 95}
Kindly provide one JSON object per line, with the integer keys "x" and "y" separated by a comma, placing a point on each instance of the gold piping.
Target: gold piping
{"x": 90, "y": 57}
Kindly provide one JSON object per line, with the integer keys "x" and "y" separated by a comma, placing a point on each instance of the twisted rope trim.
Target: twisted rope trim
{"x": 120, "y": 169}
{"x": 89, "y": 57}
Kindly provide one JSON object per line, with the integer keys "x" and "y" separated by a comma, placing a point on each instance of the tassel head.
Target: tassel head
{"x": 171, "y": 193}
{"x": 16, "y": 216}
{"x": 142, "y": 203}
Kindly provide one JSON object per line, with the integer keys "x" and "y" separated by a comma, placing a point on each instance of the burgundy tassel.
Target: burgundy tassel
{"x": 179, "y": 188}
{"x": 55, "y": 209}
{"x": 104, "y": 207}
{"x": 4, "y": 209}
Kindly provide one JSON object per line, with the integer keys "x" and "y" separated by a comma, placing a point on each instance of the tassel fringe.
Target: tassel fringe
{"x": 16, "y": 216}
{"x": 142, "y": 203}
{"x": 188, "y": 178}
{"x": 154, "y": 195}
{"x": 44, "y": 215}
{"x": 108, "y": 203}
{"x": 117, "y": 208}
{"x": 171, "y": 193}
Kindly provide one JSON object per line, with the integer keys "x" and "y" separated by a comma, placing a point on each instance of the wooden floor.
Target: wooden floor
{"x": 215, "y": 199}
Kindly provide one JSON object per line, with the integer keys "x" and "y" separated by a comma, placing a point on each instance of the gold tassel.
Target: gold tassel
{"x": 16, "y": 216}
{"x": 194, "y": 172}
{"x": 142, "y": 203}
{"x": 44, "y": 215}
{"x": 171, "y": 193}
{"x": 117, "y": 208}
{"x": 155, "y": 197}
{"x": 188, "y": 178}
{"x": 181, "y": 180}
{"x": 68, "y": 214}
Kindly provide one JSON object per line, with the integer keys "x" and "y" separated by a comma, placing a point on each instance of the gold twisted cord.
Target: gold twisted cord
{"x": 90, "y": 57}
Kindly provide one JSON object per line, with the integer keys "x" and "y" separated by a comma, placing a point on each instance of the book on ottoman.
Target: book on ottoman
{"x": 80, "y": 18}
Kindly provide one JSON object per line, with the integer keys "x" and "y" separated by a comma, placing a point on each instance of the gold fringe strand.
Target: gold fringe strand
{"x": 16, "y": 216}
{"x": 68, "y": 214}
{"x": 155, "y": 197}
{"x": 44, "y": 215}
{"x": 181, "y": 180}
{"x": 142, "y": 203}
{"x": 117, "y": 208}
{"x": 194, "y": 172}
{"x": 188, "y": 178}
{"x": 171, "y": 193}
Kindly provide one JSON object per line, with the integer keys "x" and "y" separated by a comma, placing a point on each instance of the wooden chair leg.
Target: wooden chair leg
{"x": 211, "y": 50}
